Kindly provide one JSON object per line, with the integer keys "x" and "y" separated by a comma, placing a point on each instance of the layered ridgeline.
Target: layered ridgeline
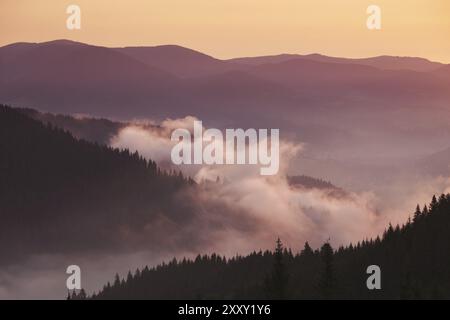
{"x": 64, "y": 191}
{"x": 395, "y": 107}
{"x": 98, "y": 130}
{"x": 59, "y": 194}
{"x": 413, "y": 258}
{"x": 168, "y": 81}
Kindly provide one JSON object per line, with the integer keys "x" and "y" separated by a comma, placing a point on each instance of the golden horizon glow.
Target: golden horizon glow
{"x": 236, "y": 28}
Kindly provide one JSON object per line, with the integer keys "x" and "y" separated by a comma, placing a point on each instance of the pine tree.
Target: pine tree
{"x": 417, "y": 214}
{"x": 433, "y": 204}
{"x": 129, "y": 277}
{"x": 307, "y": 251}
{"x": 116, "y": 281}
{"x": 82, "y": 295}
{"x": 276, "y": 283}
{"x": 327, "y": 281}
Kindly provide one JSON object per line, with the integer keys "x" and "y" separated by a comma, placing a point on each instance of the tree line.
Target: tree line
{"x": 413, "y": 259}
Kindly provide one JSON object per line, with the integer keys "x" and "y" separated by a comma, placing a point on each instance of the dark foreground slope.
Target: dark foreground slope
{"x": 62, "y": 195}
{"x": 414, "y": 261}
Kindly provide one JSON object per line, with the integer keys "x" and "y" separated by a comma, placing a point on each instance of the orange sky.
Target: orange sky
{"x": 231, "y": 28}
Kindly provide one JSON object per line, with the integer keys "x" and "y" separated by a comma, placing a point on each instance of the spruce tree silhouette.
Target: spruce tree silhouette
{"x": 327, "y": 280}
{"x": 276, "y": 282}
{"x": 82, "y": 295}
{"x": 413, "y": 258}
{"x": 417, "y": 214}
{"x": 307, "y": 251}
{"x": 433, "y": 204}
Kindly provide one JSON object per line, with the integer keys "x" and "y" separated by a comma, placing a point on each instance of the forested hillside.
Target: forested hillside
{"x": 59, "y": 194}
{"x": 414, "y": 261}
{"x": 97, "y": 130}
{"x": 309, "y": 182}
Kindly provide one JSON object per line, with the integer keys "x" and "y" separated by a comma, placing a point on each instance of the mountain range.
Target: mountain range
{"x": 378, "y": 125}
{"x": 329, "y": 103}
{"x": 71, "y": 77}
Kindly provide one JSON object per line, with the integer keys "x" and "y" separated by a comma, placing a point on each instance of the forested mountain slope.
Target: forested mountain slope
{"x": 414, "y": 261}
{"x": 59, "y": 194}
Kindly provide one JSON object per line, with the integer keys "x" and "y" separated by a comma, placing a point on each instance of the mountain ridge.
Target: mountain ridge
{"x": 68, "y": 77}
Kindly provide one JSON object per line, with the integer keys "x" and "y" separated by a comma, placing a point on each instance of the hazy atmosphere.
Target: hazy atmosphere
{"x": 86, "y": 118}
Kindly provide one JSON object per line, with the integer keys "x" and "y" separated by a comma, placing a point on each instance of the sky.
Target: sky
{"x": 233, "y": 28}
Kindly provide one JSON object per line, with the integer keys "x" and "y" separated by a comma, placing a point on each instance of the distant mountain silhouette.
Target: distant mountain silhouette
{"x": 380, "y": 62}
{"x": 338, "y": 79}
{"x": 443, "y": 72}
{"x": 178, "y": 60}
{"x": 170, "y": 81}
{"x": 310, "y": 182}
{"x": 82, "y": 127}
{"x": 384, "y": 62}
{"x": 79, "y": 78}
